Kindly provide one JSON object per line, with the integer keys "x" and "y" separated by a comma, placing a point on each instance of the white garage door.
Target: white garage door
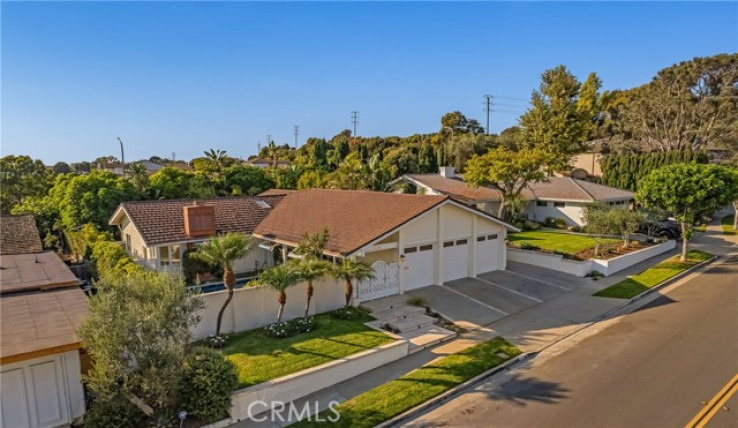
{"x": 488, "y": 252}
{"x": 420, "y": 266}
{"x": 455, "y": 259}
{"x": 33, "y": 395}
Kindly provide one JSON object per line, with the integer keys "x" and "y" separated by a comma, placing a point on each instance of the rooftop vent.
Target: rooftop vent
{"x": 263, "y": 204}
{"x": 199, "y": 220}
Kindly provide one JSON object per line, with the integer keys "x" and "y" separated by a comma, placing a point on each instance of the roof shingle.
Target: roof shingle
{"x": 19, "y": 235}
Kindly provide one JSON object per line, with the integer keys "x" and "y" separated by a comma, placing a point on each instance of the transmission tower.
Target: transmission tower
{"x": 488, "y": 109}
{"x": 297, "y": 133}
{"x": 354, "y": 120}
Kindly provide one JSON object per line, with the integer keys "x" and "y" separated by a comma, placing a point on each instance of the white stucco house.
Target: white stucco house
{"x": 558, "y": 197}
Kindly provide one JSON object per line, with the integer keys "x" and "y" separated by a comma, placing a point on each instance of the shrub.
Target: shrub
{"x": 207, "y": 383}
{"x": 192, "y": 267}
{"x": 113, "y": 412}
{"x": 595, "y": 274}
{"x": 560, "y": 223}
{"x": 111, "y": 258}
{"x": 560, "y": 253}
{"x": 346, "y": 313}
{"x": 217, "y": 341}
{"x": 302, "y": 324}
{"x": 578, "y": 229}
{"x": 526, "y": 245}
{"x": 531, "y": 225}
{"x": 277, "y": 330}
{"x": 417, "y": 301}
{"x": 550, "y": 221}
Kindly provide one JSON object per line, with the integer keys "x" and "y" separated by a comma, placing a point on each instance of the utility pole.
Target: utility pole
{"x": 269, "y": 139}
{"x": 297, "y": 133}
{"x": 122, "y": 155}
{"x": 354, "y": 121}
{"x": 488, "y": 108}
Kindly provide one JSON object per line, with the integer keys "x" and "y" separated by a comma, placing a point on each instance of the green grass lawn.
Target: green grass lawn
{"x": 635, "y": 285}
{"x": 259, "y": 358}
{"x": 548, "y": 240}
{"x": 386, "y": 401}
{"x": 728, "y": 225}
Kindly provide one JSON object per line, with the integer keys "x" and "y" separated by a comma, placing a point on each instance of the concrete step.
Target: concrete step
{"x": 391, "y": 314}
{"x": 427, "y": 336}
{"x": 412, "y": 322}
{"x": 385, "y": 303}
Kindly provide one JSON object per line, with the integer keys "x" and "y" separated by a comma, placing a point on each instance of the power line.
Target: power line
{"x": 488, "y": 109}
{"x": 354, "y": 120}
{"x": 297, "y": 133}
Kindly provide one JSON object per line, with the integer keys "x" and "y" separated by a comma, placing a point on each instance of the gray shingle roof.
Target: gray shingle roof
{"x": 19, "y": 235}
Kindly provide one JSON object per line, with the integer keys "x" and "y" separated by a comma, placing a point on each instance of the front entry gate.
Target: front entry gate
{"x": 386, "y": 282}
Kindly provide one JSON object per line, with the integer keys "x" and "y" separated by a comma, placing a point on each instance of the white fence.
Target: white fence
{"x": 255, "y": 307}
{"x": 582, "y": 268}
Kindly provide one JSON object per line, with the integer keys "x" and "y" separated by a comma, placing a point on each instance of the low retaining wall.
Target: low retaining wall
{"x": 582, "y": 268}
{"x": 251, "y": 401}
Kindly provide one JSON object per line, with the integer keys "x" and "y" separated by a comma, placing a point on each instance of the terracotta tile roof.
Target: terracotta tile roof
{"x": 571, "y": 189}
{"x": 163, "y": 221}
{"x": 456, "y": 187}
{"x": 19, "y": 235}
{"x": 276, "y": 192}
{"x": 39, "y": 271}
{"x": 40, "y": 323}
{"x": 353, "y": 218}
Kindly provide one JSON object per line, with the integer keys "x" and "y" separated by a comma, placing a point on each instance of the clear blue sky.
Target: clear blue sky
{"x": 184, "y": 77}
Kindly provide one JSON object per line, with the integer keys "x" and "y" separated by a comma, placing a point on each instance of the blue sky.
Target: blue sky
{"x": 184, "y": 77}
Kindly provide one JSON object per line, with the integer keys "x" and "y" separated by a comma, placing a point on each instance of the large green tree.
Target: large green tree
{"x": 22, "y": 177}
{"x": 688, "y": 192}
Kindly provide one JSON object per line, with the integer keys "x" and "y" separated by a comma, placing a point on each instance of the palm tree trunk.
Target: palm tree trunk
{"x": 309, "y": 293}
{"x": 230, "y": 281}
{"x": 282, "y": 299}
{"x": 349, "y": 291}
{"x": 279, "y": 313}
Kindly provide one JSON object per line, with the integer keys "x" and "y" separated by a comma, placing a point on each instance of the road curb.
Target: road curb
{"x": 444, "y": 396}
{"x": 671, "y": 280}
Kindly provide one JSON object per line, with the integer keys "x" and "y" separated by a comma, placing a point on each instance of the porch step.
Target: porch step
{"x": 385, "y": 303}
{"x": 397, "y": 312}
{"x": 412, "y": 322}
{"x": 427, "y": 336}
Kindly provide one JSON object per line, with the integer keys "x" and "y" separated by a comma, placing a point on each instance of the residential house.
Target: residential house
{"x": 412, "y": 241}
{"x": 558, "y": 197}
{"x": 264, "y": 163}
{"x": 157, "y": 233}
{"x": 41, "y": 306}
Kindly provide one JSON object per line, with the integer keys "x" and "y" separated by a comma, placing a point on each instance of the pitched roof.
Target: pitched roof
{"x": 556, "y": 188}
{"x": 276, "y": 192}
{"x": 40, "y": 323}
{"x": 456, "y": 187}
{"x": 353, "y": 218}
{"x": 162, "y": 221}
{"x": 19, "y": 235}
{"x": 39, "y": 271}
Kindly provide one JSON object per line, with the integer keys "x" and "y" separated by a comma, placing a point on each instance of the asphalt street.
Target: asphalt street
{"x": 656, "y": 367}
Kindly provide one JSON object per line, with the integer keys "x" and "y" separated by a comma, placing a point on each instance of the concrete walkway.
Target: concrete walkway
{"x": 530, "y": 329}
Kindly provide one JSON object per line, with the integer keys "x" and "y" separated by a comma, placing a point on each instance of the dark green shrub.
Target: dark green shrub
{"x": 526, "y": 245}
{"x": 118, "y": 412}
{"x": 560, "y": 223}
{"x": 346, "y": 313}
{"x": 207, "y": 383}
{"x": 303, "y": 324}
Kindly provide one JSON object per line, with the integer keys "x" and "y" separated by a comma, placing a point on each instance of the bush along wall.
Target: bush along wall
{"x": 624, "y": 171}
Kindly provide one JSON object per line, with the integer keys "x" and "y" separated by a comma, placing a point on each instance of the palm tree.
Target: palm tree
{"x": 311, "y": 269}
{"x": 280, "y": 278}
{"x": 352, "y": 270}
{"x": 218, "y": 157}
{"x": 313, "y": 245}
{"x": 223, "y": 251}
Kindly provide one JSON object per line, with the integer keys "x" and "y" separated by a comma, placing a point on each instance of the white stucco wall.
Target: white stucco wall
{"x": 572, "y": 212}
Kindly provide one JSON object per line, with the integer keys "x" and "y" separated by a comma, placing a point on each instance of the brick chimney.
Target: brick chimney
{"x": 199, "y": 220}
{"x": 447, "y": 171}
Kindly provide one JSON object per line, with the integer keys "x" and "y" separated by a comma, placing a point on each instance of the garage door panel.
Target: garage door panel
{"x": 14, "y": 399}
{"x": 46, "y": 379}
{"x": 455, "y": 259}
{"x": 420, "y": 266}
{"x": 488, "y": 254}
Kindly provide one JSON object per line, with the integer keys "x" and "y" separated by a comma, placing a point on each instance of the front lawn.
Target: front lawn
{"x": 386, "y": 401}
{"x": 568, "y": 243}
{"x": 635, "y": 285}
{"x": 728, "y": 225}
{"x": 259, "y": 358}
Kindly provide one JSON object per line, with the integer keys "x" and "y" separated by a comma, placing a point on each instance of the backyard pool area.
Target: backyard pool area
{"x": 218, "y": 286}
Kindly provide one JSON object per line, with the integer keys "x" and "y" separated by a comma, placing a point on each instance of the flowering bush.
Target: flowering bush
{"x": 346, "y": 313}
{"x": 217, "y": 341}
{"x": 277, "y": 329}
{"x": 301, "y": 325}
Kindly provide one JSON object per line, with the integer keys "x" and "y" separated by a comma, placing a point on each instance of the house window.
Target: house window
{"x": 409, "y": 250}
{"x": 481, "y": 238}
{"x": 175, "y": 255}
{"x": 461, "y": 242}
{"x": 426, "y": 247}
{"x": 128, "y": 242}
{"x": 448, "y": 244}
{"x": 492, "y": 237}
{"x": 163, "y": 256}
{"x": 542, "y": 203}
{"x": 559, "y": 204}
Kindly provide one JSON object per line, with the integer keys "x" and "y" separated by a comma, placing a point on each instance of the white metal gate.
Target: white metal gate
{"x": 386, "y": 282}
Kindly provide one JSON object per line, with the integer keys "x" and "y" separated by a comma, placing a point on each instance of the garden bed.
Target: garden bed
{"x": 635, "y": 285}
{"x": 259, "y": 358}
{"x": 572, "y": 246}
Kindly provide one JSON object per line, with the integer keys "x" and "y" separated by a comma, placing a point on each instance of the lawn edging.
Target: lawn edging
{"x": 451, "y": 393}
{"x": 253, "y": 400}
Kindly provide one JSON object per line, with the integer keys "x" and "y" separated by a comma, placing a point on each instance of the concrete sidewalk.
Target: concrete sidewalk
{"x": 530, "y": 329}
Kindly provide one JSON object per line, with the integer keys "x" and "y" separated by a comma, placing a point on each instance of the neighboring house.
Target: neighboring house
{"x": 588, "y": 163}
{"x": 157, "y": 233}
{"x": 277, "y": 192}
{"x": 264, "y": 163}
{"x": 412, "y": 241}
{"x": 41, "y": 306}
{"x": 559, "y": 197}
{"x": 120, "y": 168}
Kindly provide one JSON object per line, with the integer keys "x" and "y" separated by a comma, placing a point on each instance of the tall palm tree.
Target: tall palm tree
{"x": 280, "y": 278}
{"x": 313, "y": 245}
{"x": 223, "y": 251}
{"x": 311, "y": 269}
{"x": 352, "y": 270}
